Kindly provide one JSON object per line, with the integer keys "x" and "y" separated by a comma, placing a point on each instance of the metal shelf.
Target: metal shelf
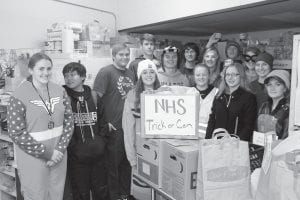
{"x": 5, "y": 137}
{"x": 4, "y": 189}
{"x": 9, "y": 173}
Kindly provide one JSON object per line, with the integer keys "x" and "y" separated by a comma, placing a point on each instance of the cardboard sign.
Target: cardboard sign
{"x": 169, "y": 116}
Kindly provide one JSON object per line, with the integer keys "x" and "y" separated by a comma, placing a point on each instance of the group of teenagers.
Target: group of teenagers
{"x": 77, "y": 142}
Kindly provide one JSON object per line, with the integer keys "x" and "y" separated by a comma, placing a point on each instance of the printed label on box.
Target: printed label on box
{"x": 146, "y": 169}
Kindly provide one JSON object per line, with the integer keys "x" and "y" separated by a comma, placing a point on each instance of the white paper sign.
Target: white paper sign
{"x": 258, "y": 138}
{"x": 168, "y": 116}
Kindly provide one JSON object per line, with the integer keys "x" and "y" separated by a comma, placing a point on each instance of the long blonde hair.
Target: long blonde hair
{"x": 218, "y": 64}
{"x": 223, "y": 88}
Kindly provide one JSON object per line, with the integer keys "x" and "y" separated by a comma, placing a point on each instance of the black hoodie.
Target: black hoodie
{"x": 90, "y": 126}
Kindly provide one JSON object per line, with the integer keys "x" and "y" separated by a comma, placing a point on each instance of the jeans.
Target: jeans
{"x": 119, "y": 169}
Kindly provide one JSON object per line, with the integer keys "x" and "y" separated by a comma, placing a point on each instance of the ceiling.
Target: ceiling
{"x": 272, "y": 14}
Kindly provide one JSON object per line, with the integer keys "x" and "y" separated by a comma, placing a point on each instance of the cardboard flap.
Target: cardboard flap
{"x": 177, "y": 143}
{"x": 177, "y": 90}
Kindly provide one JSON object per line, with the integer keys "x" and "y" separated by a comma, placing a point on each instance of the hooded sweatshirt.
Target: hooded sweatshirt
{"x": 90, "y": 125}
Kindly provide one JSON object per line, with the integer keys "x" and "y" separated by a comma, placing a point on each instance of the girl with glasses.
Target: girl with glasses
{"x": 234, "y": 108}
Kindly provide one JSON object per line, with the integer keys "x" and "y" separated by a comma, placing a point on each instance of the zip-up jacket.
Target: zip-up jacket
{"x": 280, "y": 113}
{"x": 235, "y": 112}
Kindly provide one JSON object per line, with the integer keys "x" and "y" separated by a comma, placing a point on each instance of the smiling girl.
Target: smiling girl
{"x": 147, "y": 82}
{"x": 211, "y": 59}
{"x": 207, "y": 95}
{"x": 40, "y": 123}
{"x": 234, "y": 108}
{"x": 274, "y": 113}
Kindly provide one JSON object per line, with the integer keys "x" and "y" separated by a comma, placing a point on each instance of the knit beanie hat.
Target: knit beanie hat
{"x": 145, "y": 64}
{"x": 266, "y": 57}
{"x": 233, "y": 43}
{"x": 281, "y": 74}
{"x": 253, "y": 49}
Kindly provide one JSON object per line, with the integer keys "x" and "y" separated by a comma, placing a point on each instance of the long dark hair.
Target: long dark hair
{"x": 139, "y": 88}
{"x": 36, "y": 58}
{"x": 190, "y": 45}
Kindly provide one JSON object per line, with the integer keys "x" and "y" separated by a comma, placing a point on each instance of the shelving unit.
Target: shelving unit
{"x": 4, "y": 137}
{"x": 7, "y": 174}
{"x": 5, "y": 190}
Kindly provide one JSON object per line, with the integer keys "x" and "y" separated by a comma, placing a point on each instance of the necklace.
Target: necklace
{"x": 51, "y": 122}
{"x": 227, "y": 101}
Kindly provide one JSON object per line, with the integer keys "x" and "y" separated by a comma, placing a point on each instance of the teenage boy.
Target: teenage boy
{"x": 190, "y": 59}
{"x": 86, "y": 163}
{"x": 112, "y": 83}
{"x": 147, "y": 47}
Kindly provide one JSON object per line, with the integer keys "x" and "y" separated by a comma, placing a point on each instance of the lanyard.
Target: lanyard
{"x": 48, "y": 110}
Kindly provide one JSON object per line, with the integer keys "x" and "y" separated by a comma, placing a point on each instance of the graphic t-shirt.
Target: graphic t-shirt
{"x": 175, "y": 79}
{"x": 114, "y": 84}
{"x": 189, "y": 73}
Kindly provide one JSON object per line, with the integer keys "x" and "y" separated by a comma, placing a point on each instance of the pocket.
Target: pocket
{"x": 90, "y": 150}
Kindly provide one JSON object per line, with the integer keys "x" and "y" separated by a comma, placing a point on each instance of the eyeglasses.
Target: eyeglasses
{"x": 170, "y": 49}
{"x": 250, "y": 58}
{"x": 232, "y": 75}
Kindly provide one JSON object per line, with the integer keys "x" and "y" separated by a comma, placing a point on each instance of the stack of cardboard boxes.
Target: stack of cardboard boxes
{"x": 166, "y": 162}
{"x": 169, "y": 164}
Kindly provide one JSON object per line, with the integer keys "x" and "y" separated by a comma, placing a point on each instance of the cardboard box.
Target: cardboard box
{"x": 148, "y": 154}
{"x": 178, "y": 173}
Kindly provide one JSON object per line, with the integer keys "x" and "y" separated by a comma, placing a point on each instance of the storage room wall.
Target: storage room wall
{"x": 273, "y": 39}
{"x": 257, "y": 35}
{"x": 132, "y": 13}
{"x": 24, "y": 23}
